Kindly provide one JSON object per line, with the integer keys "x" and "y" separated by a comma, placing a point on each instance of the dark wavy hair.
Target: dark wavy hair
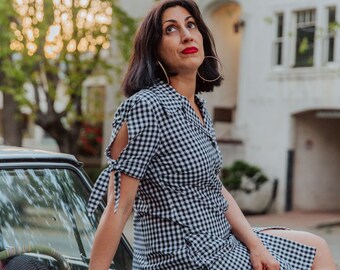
{"x": 143, "y": 70}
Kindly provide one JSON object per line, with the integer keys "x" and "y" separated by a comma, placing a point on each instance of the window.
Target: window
{"x": 305, "y": 35}
{"x": 278, "y": 45}
{"x": 42, "y": 208}
{"x": 95, "y": 103}
{"x": 1, "y": 132}
{"x": 47, "y": 206}
{"x": 91, "y": 135}
{"x": 329, "y": 42}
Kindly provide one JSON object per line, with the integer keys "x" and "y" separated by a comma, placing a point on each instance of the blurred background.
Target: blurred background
{"x": 278, "y": 110}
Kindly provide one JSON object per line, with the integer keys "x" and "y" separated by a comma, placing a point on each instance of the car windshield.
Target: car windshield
{"x": 47, "y": 206}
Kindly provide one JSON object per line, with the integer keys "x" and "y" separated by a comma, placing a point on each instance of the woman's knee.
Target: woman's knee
{"x": 318, "y": 240}
{"x": 314, "y": 239}
{"x": 302, "y": 237}
{"x": 323, "y": 257}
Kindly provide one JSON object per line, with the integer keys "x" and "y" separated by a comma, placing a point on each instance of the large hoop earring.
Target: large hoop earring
{"x": 164, "y": 71}
{"x": 211, "y": 80}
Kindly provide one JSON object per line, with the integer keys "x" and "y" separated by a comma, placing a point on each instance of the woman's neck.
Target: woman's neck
{"x": 184, "y": 85}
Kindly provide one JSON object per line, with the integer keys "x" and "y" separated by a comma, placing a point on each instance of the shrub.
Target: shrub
{"x": 241, "y": 176}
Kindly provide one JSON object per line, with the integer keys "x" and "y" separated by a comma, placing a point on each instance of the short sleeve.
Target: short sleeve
{"x": 144, "y": 136}
{"x": 143, "y": 142}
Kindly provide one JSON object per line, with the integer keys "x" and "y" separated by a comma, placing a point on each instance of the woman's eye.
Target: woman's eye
{"x": 191, "y": 25}
{"x": 170, "y": 29}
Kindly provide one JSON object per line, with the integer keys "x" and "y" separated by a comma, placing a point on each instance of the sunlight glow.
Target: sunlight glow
{"x": 81, "y": 25}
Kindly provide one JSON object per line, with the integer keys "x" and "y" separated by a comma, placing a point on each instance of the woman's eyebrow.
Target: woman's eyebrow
{"x": 174, "y": 21}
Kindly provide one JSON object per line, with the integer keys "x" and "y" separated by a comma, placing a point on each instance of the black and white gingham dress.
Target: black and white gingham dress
{"x": 179, "y": 209}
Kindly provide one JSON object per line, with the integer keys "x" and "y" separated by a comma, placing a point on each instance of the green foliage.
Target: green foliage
{"x": 125, "y": 27}
{"x": 268, "y": 20}
{"x": 69, "y": 68}
{"x": 303, "y": 46}
{"x": 243, "y": 177}
{"x": 12, "y": 76}
{"x": 333, "y": 27}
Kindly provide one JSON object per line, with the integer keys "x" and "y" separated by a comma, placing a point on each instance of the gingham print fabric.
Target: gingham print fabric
{"x": 143, "y": 141}
{"x": 179, "y": 220}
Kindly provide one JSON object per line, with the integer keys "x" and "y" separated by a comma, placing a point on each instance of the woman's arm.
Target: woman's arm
{"x": 259, "y": 255}
{"x": 111, "y": 224}
{"x": 240, "y": 226}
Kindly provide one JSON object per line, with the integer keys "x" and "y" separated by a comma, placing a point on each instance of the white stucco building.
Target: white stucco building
{"x": 284, "y": 92}
{"x": 279, "y": 106}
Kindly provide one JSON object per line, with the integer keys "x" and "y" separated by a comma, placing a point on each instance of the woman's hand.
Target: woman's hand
{"x": 261, "y": 259}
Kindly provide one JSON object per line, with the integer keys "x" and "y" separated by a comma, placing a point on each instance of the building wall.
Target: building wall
{"x": 317, "y": 152}
{"x": 267, "y": 97}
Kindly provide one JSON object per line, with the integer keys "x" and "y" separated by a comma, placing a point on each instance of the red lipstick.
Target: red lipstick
{"x": 190, "y": 50}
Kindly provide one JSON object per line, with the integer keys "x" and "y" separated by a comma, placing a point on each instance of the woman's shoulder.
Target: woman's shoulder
{"x": 145, "y": 98}
{"x": 146, "y": 95}
{"x": 159, "y": 98}
{"x": 155, "y": 96}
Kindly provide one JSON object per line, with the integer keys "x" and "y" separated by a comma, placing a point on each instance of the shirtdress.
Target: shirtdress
{"x": 179, "y": 220}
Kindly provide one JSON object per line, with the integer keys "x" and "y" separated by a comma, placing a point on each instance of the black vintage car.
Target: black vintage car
{"x": 43, "y": 217}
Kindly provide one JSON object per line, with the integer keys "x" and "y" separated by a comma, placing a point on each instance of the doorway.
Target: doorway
{"x": 316, "y": 176}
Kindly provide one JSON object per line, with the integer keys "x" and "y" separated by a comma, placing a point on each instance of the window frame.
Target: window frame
{"x": 279, "y": 40}
{"x": 329, "y": 34}
{"x": 124, "y": 246}
{"x": 93, "y": 101}
{"x": 305, "y": 23}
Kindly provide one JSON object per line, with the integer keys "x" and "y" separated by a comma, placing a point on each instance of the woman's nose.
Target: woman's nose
{"x": 186, "y": 35}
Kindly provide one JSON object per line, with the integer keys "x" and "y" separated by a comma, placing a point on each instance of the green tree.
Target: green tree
{"x": 11, "y": 80}
{"x": 54, "y": 45}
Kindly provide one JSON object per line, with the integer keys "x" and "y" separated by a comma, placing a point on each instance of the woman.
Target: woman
{"x": 164, "y": 160}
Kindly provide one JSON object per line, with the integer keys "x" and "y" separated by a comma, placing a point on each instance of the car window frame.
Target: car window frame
{"x": 77, "y": 168}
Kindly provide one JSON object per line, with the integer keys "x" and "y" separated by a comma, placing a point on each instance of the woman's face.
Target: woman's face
{"x": 181, "y": 47}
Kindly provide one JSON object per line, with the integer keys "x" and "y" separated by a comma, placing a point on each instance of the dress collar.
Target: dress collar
{"x": 170, "y": 99}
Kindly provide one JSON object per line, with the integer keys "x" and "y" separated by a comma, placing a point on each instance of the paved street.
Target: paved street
{"x": 326, "y": 225}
